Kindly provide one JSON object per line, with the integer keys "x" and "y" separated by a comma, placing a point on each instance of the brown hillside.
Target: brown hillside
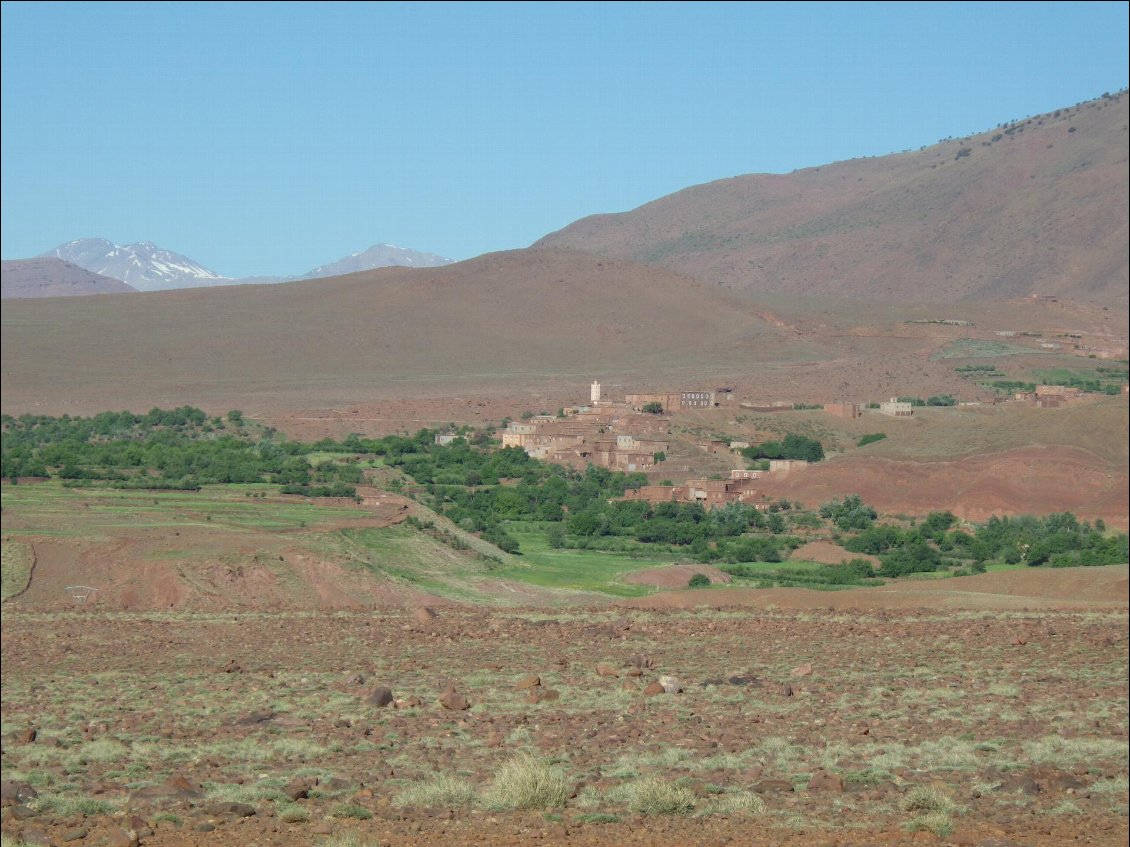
{"x": 45, "y": 277}
{"x": 1034, "y": 480}
{"x": 1034, "y": 207}
{"x": 504, "y": 322}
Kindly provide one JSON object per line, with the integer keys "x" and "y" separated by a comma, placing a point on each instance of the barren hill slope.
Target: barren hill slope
{"x": 1034, "y": 207}
{"x": 503, "y": 321}
{"x": 26, "y": 278}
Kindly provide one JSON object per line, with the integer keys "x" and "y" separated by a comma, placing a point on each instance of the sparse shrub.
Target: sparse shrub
{"x": 351, "y": 810}
{"x": 348, "y": 839}
{"x": 69, "y": 805}
{"x": 555, "y": 535}
{"x": 738, "y": 802}
{"x": 441, "y": 791}
{"x": 292, "y": 813}
{"x": 653, "y": 796}
{"x": 938, "y": 823}
{"x": 922, "y": 798}
{"x": 527, "y": 781}
{"x": 699, "y": 580}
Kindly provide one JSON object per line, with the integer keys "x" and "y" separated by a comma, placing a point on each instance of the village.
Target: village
{"x": 633, "y": 435}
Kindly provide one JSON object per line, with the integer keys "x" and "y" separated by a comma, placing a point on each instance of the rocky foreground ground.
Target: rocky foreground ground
{"x": 710, "y": 726}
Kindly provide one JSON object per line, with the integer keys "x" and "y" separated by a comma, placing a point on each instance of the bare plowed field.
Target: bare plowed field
{"x": 592, "y": 726}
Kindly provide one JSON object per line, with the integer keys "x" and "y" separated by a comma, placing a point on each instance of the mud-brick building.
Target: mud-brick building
{"x": 844, "y": 410}
{"x": 672, "y": 401}
{"x": 741, "y": 473}
{"x": 897, "y": 408}
{"x": 784, "y": 467}
{"x": 711, "y": 493}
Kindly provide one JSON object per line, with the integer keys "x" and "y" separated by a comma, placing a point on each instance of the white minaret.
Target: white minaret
{"x": 594, "y": 393}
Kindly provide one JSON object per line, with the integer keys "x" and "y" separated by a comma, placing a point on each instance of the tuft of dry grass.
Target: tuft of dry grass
{"x": 653, "y": 796}
{"x": 441, "y": 791}
{"x": 526, "y": 781}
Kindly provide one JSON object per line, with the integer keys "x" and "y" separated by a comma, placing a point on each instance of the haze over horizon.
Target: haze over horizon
{"x": 260, "y": 138}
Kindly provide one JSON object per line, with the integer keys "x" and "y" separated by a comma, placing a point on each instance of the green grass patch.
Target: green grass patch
{"x": 412, "y": 557}
{"x": 975, "y": 348}
{"x": 797, "y": 574}
{"x": 39, "y": 507}
{"x": 580, "y": 570}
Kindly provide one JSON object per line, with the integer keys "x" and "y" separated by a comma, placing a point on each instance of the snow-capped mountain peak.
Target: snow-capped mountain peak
{"x": 143, "y": 265}
{"x": 378, "y": 256}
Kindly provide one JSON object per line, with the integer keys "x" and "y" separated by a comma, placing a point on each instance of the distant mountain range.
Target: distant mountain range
{"x": 146, "y": 267}
{"x": 378, "y": 256}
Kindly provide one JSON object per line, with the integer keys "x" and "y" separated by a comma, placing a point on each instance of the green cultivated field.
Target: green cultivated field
{"x": 581, "y": 570}
{"x": 49, "y": 508}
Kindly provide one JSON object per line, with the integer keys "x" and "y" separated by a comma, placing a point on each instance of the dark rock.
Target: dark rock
{"x": 824, "y": 781}
{"x": 542, "y": 695}
{"x": 173, "y": 791}
{"x": 454, "y": 701}
{"x": 12, "y": 793}
{"x": 73, "y": 835}
{"x": 253, "y": 718}
{"x": 36, "y": 837}
{"x": 21, "y": 812}
{"x": 1053, "y": 779}
{"x": 1023, "y": 783}
{"x": 298, "y": 788}
{"x": 230, "y": 810}
{"x": 786, "y": 690}
{"x": 774, "y": 786}
{"x": 118, "y": 837}
{"x": 380, "y": 697}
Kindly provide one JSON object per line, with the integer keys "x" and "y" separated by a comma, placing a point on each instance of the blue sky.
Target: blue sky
{"x": 264, "y": 138}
